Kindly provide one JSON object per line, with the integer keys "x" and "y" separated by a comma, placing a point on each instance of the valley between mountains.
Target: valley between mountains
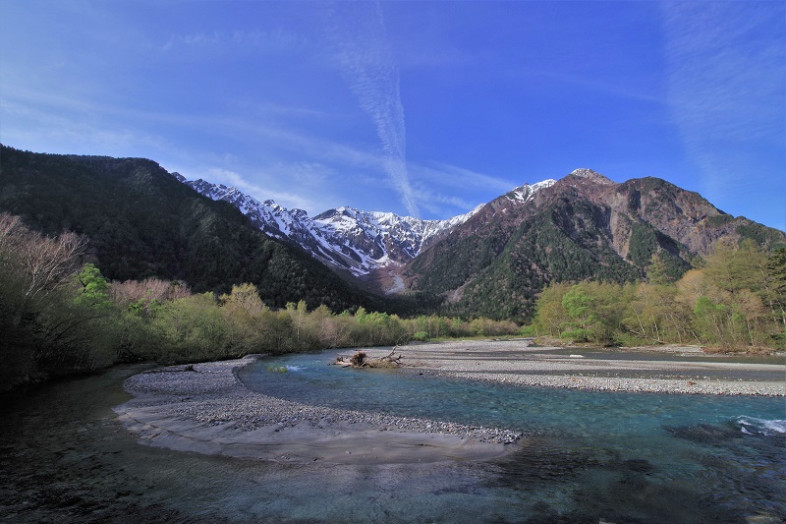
{"x": 494, "y": 259}
{"x": 142, "y": 221}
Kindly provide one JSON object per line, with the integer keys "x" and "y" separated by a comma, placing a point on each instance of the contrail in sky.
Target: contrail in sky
{"x": 362, "y": 51}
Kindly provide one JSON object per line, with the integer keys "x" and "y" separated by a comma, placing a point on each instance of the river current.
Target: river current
{"x": 585, "y": 457}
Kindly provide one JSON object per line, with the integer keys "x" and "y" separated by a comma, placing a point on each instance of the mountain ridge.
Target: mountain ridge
{"x": 493, "y": 261}
{"x": 142, "y": 221}
{"x": 584, "y": 226}
{"x": 348, "y": 239}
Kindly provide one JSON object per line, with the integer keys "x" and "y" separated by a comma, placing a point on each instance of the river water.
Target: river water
{"x": 585, "y": 457}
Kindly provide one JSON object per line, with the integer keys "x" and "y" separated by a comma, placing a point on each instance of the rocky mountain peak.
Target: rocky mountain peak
{"x": 584, "y": 226}
{"x": 300, "y": 214}
{"x": 337, "y": 214}
{"x": 349, "y": 239}
{"x": 591, "y": 175}
{"x": 344, "y": 237}
{"x": 526, "y": 192}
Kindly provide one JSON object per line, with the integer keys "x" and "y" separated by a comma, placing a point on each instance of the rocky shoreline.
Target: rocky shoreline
{"x": 518, "y": 362}
{"x": 205, "y": 408}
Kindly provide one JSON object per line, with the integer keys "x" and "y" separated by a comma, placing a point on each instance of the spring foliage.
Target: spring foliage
{"x": 737, "y": 300}
{"x": 59, "y": 315}
{"x": 143, "y": 223}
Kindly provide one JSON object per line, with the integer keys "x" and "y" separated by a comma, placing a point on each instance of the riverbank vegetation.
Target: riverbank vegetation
{"x": 59, "y": 315}
{"x": 734, "y": 300}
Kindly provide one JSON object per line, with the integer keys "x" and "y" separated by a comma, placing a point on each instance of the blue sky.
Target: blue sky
{"x": 421, "y": 108}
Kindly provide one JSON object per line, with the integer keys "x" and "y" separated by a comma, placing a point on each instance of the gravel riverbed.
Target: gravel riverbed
{"x": 207, "y": 409}
{"x": 670, "y": 369}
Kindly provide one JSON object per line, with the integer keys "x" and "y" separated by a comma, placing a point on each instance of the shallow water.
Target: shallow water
{"x": 587, "y": 456}
{"x": 645, "y": 451}
{"x": 311, "y": 380}
{"x": 656, "y": 355}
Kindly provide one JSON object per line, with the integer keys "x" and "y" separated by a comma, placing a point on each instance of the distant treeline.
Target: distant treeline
{"x": 734, "y": 300}
{"x": 59, "y": 316}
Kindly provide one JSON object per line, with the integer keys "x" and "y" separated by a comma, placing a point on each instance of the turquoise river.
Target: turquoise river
{"x": 584, "y": 457}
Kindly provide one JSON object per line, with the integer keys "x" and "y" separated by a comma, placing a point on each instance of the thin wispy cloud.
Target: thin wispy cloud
{"x": 726, "y": 62}
{"x": 433, "y": 187}
{"x": 290, "y": 111}
{"x": 593, "y": 84}
{"x": 441, "y": 204}
{"x": 306, "y": 98}
{"x": 192, "y": 39}
{"x": 358, "y": 35}
{"x": 72, "y": 127}
{"x": 233, "y": 179}
{"x": 294, "y": 140}
{"x": 451, "y": 176}
{"x": 86, "y": 109}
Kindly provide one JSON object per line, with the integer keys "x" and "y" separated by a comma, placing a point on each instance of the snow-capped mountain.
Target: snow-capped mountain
{"x": 344, "y": 238}
{"x": 491, "y": 262}
{"x": 525, "y": 193}
{"x": 347, "y": 238}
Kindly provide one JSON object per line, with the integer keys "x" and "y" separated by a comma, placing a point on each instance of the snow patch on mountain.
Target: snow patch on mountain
{"x": 347, "y": 238}
{"x": 525, "y": 193}
{"x": 594, "y": 176}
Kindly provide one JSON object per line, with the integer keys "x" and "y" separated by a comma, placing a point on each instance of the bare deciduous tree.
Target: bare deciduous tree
{"x": 45, "y": 264}
{"x": 148, "y": 291}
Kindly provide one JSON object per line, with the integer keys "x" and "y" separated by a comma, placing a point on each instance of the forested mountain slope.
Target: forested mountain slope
{"x": 142, "y": 222}
{"x": 583, "y": 227}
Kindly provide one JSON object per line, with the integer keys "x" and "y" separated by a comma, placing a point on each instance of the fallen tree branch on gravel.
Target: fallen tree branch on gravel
{"x": 361, "y": 360}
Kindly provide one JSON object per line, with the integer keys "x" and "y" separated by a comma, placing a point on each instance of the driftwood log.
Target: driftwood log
{"x": 392, "y": 357}
{"x": 361, "y": 360}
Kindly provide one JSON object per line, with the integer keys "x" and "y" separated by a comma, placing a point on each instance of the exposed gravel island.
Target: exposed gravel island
{"x": 662, "y": 369}
{"x": 205, "y": 408}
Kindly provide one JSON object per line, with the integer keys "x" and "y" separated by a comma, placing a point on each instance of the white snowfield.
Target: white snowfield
{"x": 347, "y": 238}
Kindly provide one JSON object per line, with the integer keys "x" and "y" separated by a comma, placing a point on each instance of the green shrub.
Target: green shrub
{"x": 420, "y": 336}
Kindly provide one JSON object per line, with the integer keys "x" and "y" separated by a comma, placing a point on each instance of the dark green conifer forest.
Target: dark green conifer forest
{"x": 142, "y": 222}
